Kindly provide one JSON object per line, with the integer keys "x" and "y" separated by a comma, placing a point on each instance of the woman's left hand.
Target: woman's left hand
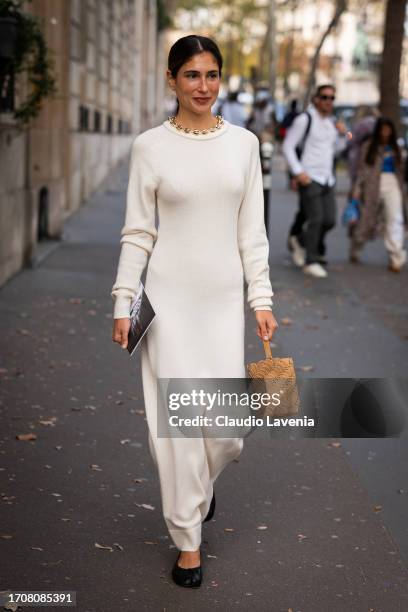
{"x": 267, "y": 324}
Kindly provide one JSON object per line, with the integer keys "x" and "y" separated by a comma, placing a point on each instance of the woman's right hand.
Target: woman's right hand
{"x": 121, "y": 331}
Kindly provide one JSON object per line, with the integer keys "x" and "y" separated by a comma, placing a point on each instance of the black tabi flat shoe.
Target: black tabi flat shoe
{"x": 211, "y": 510}
{"x": 190, "y": 577}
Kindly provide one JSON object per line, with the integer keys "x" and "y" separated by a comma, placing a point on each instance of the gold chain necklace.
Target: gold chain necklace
{"x": 219, "y": 124}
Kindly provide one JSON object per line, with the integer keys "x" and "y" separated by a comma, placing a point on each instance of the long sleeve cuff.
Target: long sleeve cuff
{"x": 261, "y": 303}
{"x": 122, "y": 307}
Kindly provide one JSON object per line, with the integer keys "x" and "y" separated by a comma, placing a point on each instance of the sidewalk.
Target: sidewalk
{"x": 84, "y": 479}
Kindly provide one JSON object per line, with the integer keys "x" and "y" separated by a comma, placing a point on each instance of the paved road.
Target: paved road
{"x": 335, "y": 538}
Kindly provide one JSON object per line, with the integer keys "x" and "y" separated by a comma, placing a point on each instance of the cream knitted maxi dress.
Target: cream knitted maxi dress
{"x": 211, "y": 234}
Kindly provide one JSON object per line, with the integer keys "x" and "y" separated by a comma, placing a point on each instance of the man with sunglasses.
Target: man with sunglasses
{"x": 320, "y": 139}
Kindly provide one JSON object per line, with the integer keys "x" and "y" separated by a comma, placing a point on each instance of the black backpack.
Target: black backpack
{"x": 301, "y": 146}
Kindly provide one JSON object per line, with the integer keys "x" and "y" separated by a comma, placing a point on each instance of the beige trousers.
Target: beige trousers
{"x": 394, "y": 221}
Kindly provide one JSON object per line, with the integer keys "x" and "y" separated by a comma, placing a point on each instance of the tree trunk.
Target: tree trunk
{"x": 263, "y": 55}
{"x": 340, "y": 8}
{"x": 391, "y": 60}
{"x": 289, "y": 49}
{"x": 273, "y": 47}
{"x": 287, "y": 65}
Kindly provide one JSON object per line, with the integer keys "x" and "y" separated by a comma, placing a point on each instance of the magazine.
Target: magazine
{"x": 141, "y": 316}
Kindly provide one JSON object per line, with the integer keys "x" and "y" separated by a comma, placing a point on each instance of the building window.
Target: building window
{"x": 6, "y": 87}
{"x": 83, "y": 119}
{"x": 42, "y": 223}
{"x": 109, "y": 124}
{"x": 97, "y": 121}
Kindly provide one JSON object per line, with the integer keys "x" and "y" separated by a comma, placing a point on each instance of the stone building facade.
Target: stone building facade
{"x": 109, "y": 87}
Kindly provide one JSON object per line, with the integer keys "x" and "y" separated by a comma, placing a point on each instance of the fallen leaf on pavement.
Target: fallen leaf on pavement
{"x": 228, "y": 529}
{"x": 377, "y": 508}
{"x": 51, "y": 421}
{"x": 29, "y": 436}
{"x": 24, "y": 332}
{"x": 286, "y": 321}
{"x": 145, "y": 506}
{"x": 104, "y": 547}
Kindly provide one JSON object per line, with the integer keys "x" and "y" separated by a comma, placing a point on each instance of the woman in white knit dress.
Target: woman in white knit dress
{"x": 207, "y": 187}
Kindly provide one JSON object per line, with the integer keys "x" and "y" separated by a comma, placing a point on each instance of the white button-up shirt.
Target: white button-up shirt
{"x": 322, "y": 144}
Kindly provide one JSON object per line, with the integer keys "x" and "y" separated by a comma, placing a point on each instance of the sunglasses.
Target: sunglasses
{"x": 332, "y": 98}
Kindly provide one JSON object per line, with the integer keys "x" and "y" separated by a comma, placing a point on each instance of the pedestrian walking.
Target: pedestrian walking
{"x": 261, "y": 123}
{"x": 379, "y": 188}
{"x": 266, "y": 153}
{"x": 320, "y": 139}
{"x": 261, "y": 118}
{"x": 233, "y": 111}
{"x": 204, "y": 175}
{"x": 363, "y": 127}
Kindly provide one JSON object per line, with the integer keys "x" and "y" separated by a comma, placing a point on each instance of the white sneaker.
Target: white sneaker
{"x": 297, "y": 251}
{"x": 316, "y": 270}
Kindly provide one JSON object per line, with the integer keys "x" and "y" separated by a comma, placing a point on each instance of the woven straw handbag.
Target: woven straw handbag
{"x": 275, "y": 375}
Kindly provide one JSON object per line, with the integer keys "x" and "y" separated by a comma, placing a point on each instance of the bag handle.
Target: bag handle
{"x": 267, "y": 349}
